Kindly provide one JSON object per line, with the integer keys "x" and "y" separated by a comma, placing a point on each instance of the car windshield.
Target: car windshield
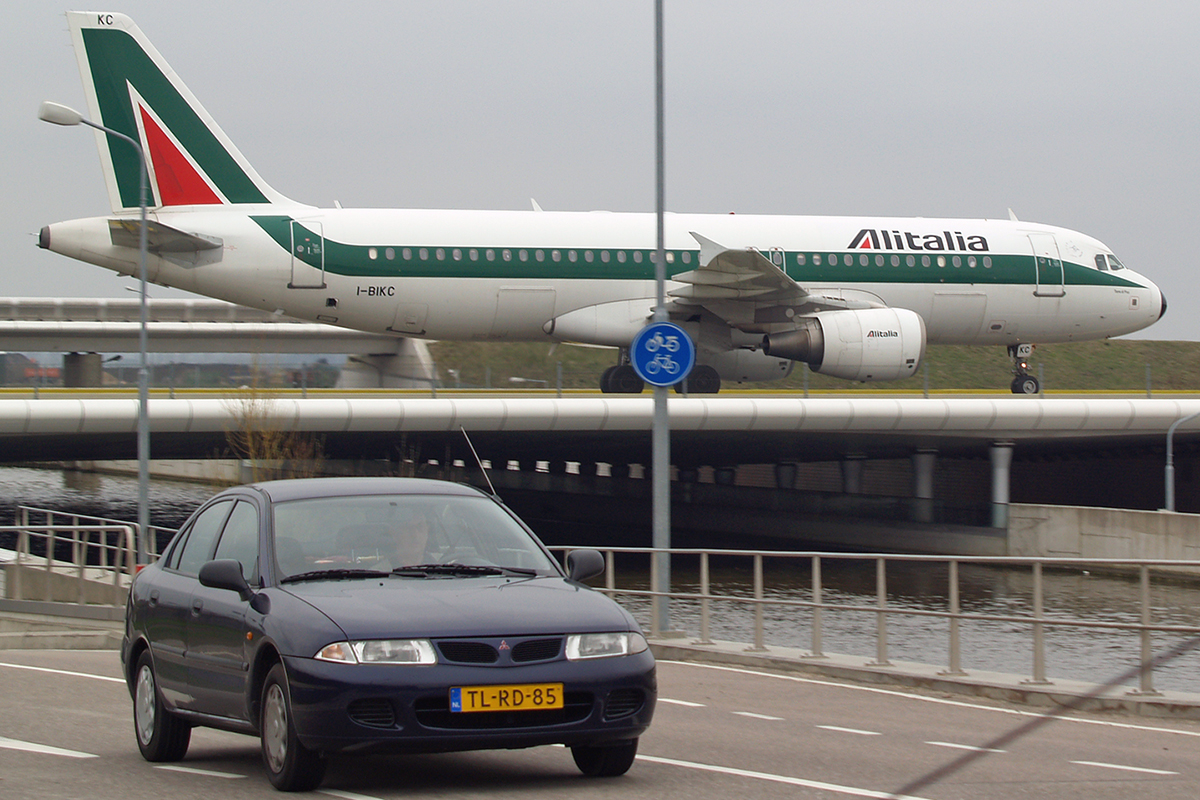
{"x": 388, "y": 532}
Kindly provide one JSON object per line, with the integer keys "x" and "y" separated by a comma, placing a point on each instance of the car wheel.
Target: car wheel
{"x": 605, "y": 762}
{"x": 161, "y": 736}
{"x": 291, "y": 766}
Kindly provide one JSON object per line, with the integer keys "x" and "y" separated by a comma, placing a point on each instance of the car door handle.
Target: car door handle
{"x": 197, "y": 607}
{"x": 153, "y": 597}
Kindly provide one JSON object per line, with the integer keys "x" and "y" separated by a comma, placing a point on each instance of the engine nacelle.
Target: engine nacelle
{"x": 871, "y": 344}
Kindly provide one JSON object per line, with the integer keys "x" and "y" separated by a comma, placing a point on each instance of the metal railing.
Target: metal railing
{"x": 32, "y": 515}
{"x": 817, "y": 605}
{"x": 96, "y": 555}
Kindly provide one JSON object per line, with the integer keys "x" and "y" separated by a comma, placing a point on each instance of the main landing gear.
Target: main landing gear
{"x": 623, "y": 379}
{"x": 1023, "y": 382}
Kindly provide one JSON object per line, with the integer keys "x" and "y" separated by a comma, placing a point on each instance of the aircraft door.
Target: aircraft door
{"x": 308, "y": 255}
{"x": 1048, "y": 268}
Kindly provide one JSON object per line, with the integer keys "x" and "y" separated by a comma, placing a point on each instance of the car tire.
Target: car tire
{"x": 291, "y": 767}
{"x": 161, "y": 736}
{"x": 605, "y": 762}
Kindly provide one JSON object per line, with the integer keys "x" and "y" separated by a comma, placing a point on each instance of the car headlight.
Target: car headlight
{"x": 603, "y": 645}
{"x": 380, "y": 651}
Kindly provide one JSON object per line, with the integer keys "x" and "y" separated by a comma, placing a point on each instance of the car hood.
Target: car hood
{"x": 459, "y": 607}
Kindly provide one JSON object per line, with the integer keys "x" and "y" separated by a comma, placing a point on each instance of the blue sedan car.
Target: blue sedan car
{"x": 346, "y": 615}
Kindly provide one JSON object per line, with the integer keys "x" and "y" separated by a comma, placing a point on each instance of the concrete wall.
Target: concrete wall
{"x": 1084, "y": 532}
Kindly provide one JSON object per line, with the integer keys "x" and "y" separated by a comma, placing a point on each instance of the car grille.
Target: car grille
{"x": 537, "y": 650}
{"x": 488, "y": 652}
{"x": 624, "y": 703}
{"x": 468, "y": 652}
{"x": 434, "y": 712}
{"x": 374, "y": 712}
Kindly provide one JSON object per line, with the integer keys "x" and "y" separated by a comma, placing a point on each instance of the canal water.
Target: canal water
{"x": 1071, "y": 653}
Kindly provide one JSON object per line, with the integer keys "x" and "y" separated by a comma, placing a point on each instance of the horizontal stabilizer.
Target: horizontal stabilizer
{"x": 160, "y": 238}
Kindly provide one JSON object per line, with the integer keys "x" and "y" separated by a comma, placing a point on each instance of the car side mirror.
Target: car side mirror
{"x": 225, "y": 573}
{"x": 584, "y": 564}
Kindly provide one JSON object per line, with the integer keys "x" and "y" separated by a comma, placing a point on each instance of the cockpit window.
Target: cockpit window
{"x": 1114, "y": 264}
{"x": 1101, "y": 262}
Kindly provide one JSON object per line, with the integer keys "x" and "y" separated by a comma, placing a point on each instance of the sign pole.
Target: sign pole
{"x": 661, "y": 434}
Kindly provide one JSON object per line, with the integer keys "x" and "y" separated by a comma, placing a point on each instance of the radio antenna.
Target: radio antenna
{"x": 479, "y": 462}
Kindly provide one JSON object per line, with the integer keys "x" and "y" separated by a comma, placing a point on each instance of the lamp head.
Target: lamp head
{"x": 59, "y": 114}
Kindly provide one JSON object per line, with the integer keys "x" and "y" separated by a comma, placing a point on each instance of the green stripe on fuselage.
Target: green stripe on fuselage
{"x": 354, "y": 260}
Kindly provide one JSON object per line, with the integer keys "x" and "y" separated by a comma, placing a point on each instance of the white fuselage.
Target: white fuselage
{"x": 428, "y": 273}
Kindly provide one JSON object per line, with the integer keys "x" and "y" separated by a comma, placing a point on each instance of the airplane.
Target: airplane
{"x": 857, "y": 298}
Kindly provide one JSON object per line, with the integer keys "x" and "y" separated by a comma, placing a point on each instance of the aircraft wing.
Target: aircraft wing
{"x": 745, "y": 288}
{"x": 159, "y": 238}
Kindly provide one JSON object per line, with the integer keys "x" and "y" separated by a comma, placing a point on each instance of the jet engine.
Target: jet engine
{"x": 872, "y": 344}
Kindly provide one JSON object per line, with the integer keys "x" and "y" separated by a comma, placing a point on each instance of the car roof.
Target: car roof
{"x": 301, "y": 488}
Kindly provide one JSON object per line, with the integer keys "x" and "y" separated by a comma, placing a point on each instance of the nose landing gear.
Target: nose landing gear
{"x": 1023, "y": 382}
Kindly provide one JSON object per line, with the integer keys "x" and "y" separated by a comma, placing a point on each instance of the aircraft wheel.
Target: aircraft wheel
{"x": 606, "y": 381}
{"x": 704, "y": 380}
{"x": 624, "y": 380}
{"x": 1025, "y": 384}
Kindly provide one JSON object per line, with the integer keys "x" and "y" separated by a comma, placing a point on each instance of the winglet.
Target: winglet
{"x": 708, "y": 249}
{"x": 1012, "y": 216}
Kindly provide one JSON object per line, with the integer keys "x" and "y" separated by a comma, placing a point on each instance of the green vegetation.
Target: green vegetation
{"x": 1115, "y": 365}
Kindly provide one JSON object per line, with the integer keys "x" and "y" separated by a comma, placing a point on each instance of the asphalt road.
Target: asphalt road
{"x": 66, "y": 731}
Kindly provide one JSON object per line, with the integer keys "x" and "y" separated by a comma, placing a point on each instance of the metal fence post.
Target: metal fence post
{"x": 955, "y": 666}
{"x": 758, "y": 646}
{"x": 705, "y": 620}
{"x": 881, "y": 647}
{"x": 1146, "y": 674}
{"x": 1039, "y": 630}
{"x": 817, "y": 592}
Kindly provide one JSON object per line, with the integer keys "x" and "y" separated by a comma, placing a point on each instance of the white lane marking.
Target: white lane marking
{"x": 1127, "y": 769}
{"x": 752, "y": 715}
{"x": 924, "y": 699}
{"x": 194, "y": 771}
{"x": 346, "y": 795}
{"x": 63, "y": 672}
{"x": 971, "y": 747}
{"x": 840, "y": 729}
{"x": 44, "y": 749}
{"x": 680, "y": 702}
{"x": 767, "y": 776}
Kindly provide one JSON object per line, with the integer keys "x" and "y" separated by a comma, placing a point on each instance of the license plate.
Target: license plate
{"x": 519, "y": 697}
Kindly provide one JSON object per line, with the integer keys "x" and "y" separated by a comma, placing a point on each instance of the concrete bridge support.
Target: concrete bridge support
{"x": 82, "y": 369}
{"x": 1001, "y": 454}
{"x": 924, "y": 462}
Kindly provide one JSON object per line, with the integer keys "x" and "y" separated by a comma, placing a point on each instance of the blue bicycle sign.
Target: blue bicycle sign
{"x": 662, "y": 354}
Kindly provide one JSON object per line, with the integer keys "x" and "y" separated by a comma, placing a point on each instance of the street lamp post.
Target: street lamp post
{"x": 64, "y": 115}
{"x": 1169, "y": 471}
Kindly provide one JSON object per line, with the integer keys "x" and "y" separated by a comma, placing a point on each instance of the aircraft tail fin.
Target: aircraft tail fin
{"x": 131, "y": 88}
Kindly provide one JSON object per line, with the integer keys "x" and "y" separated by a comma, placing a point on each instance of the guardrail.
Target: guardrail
{"x": 100, "y": 562}
{"x": 32, "y": 515}
{"x": 817, "y": 606}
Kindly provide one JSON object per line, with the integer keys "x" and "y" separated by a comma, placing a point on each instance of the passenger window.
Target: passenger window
{"x": 199, "y": 545}
{"x": 800, "y": 259}
{"x": 240, "y": 540}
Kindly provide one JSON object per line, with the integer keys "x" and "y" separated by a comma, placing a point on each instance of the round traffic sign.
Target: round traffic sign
{"x": 662, "y": 354}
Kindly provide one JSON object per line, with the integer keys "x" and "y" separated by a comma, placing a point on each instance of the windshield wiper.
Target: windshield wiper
{"x": 425, "y": 570}
{"x": 334, "y": 575}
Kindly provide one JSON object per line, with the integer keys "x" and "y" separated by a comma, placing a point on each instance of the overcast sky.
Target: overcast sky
{"x": 1080, "y": 114}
